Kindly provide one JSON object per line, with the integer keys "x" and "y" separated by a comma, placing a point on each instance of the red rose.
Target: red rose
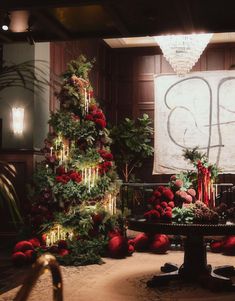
{"x": 173, "y": 178}
{"x": 159, "y": 208}
{"x": 89, "y": 117}
{"x": 62, "y": 179}
{"x": 108, "y": 157}
{"x": 92, "y": 108}
{"x": 171, "y": 204}
{"x": 178, "y": 183}
{"x": 168, "y": 194}
{"x": 164, "y": 204}
{"x": 101, "y": 123}
{"x": 99, "y": 115}
{"x": 161, "y": 188}
{"x": 105, "y": 155}
{"x": 76, "y": 177}
{"x": 157, "y": 194}
{"x": 167, "y": 215}
{"x": 192, "y": 192}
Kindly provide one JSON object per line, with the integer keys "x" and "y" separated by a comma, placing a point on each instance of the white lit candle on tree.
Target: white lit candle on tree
{"x": 51, "y": 148}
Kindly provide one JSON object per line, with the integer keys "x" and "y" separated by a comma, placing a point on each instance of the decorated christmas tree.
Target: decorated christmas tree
{"x": 75, "y": 187}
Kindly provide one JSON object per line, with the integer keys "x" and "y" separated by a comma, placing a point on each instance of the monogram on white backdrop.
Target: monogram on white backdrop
{"x": 197, "y": 110}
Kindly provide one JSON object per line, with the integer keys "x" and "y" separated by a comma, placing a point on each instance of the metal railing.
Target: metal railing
{"x": 44, "y": 262}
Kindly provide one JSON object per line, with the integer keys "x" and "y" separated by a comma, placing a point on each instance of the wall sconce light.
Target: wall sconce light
{"x": 18, "y": 120}
{"x": 6, "y": 22}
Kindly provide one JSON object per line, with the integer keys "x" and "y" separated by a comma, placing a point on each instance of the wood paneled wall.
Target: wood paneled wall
{"x": 133, "y": 86}
{"x": 63, "y": 52}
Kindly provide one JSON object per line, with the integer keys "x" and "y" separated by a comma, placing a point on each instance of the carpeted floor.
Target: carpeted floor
{"x": 124, "y": 280}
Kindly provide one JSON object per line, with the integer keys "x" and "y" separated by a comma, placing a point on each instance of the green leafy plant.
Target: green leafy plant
{"x": 131, "y": 144}
{"x": 8, "y": 196}
{"x": 183, "y": 215}
{"x": 28, "y": 76}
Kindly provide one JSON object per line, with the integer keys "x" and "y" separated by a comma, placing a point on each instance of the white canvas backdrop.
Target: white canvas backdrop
{"x": 195, "y": 110}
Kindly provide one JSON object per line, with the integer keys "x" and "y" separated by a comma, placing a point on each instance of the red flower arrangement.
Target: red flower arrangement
{"x": 104, "y": 167}
{"x": 161, "y": 204}
{"x": 97, "y": 116}
{"x": 105, "y": 155}
{"x": 66, "y": 177}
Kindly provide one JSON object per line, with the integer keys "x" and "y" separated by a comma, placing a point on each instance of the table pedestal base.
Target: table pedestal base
{"x": 217, "y": 278}
{"x": 195, "y": 268}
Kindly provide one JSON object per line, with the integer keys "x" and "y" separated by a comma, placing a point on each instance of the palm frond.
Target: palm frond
{"x": 8, "y": 195}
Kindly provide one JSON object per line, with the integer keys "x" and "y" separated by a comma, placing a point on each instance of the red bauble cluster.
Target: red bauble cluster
{"x": 161, "y": 204}
{"x": 24, "y": 252}
{"x": 97, "y": 116}
{"x": 225, "y": 246}
{"x": 158, "y": 243}
{"x": 64, "y": 177}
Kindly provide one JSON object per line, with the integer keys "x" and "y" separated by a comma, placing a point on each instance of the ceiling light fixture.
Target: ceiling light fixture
{"x": 183, "y": 51}
{"x": 6, "y": 22}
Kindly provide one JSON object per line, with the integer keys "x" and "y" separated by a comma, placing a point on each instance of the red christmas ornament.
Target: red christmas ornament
{"x": 31, "y": 256}
{"x": 160, "y": 244}
{"x": 19, "y": 259}
{"x": 141, "y": 242}
{"x": 35, "y": 242}
{"x": 118, "y": 247}
{"x": 229, "y": 245}
{"x": 216, "y": 246}
{"x": 23, "y": 246}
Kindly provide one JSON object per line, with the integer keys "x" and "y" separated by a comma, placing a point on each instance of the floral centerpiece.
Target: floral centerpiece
{"x": 189, "y": 197}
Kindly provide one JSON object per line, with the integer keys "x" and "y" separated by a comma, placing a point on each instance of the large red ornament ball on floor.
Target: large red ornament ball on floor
{"x": 22, "y": 246}
{"x": 131, "y": 249}
{"x": 19, "y": 259}
{"x": 31, "y": 256}
{"x": 118, "y": 247}
{"x": 35, "y": 242}
{"x": 141, "y": 242}
{"x": 229, "y": 245}
{"x": 160, "y": 244}
{"x": 216, "y": 246}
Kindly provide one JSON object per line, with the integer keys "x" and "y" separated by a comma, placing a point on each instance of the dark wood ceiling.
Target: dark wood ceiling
{"x": 53, "y": 20}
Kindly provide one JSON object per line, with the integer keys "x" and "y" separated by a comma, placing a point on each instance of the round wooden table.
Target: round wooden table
{"x": 194, "y": 267}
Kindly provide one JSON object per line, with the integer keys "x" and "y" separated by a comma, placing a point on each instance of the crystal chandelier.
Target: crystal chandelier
{"x": 183, "y": 51}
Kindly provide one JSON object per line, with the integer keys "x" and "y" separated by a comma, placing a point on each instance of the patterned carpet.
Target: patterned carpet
{"x": 118, "y": 280}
